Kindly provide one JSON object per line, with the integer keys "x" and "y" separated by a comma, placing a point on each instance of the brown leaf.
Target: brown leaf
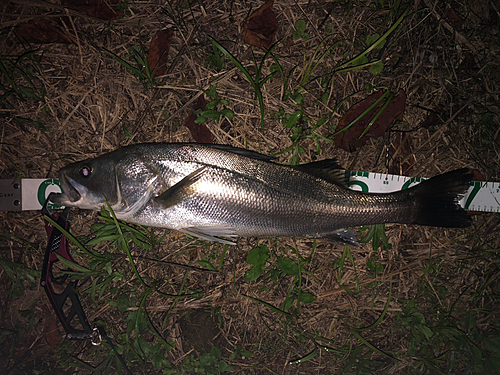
{"x": 433, "y": 118}
{"x": 476, "y": 175}
{"x": 200, "y": 132}
{"x": 349, "y": 139}
{"x": 103, "y": 9}
{"x": 158, "y": 52}
{"x": 452, "y": 15}
{"x": 51, "y": 327}
{"x": 42, "y": 31}
{"x": 261, "y": 27}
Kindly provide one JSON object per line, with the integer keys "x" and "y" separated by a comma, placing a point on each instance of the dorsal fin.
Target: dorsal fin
{"x": 241, "y": 151}
{"x": 327, "y": 170}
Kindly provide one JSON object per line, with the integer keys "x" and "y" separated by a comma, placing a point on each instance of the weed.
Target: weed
{"x": 138, "y": 64}
{"x": 216, "y": 60}
{"x": 207, "y": 363}
{"x": 20, "y": 80}
{"x": 300, "y": 28}
{"x": 281, "y": 268}
{"x": 339, "y": 265}
{"x": 18, "y": 274}
{"x": 257, "y": 82}
{"x": 210, "y": 112}
{"x": 447, "y": 339}
{"x": 376, "y": 234}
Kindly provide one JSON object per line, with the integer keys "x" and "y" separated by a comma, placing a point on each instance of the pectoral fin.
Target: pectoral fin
{"x": 181, "y": 190}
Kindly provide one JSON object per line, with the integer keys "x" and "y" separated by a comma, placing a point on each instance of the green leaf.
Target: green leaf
{"x": 377, "y": 68}
{"x": 370, "y": 265}
{"x": 223, "y": 366}
{"x": 322, "y": 119}
{"x": 427, "y": 332}
{"x": 298, "y": 98}
{"x": 258, "y": 256}
{"x": 287, "y": 303}
{"x": 206, "y": 263}
{"x": 227, "y": 113}
{"x": 212, "y": 105}
{"x": 492, "y": 344}
{"x": 288, "y": 266}
{"x": 215, "y": 352}
{"x": 70, "y": 264}
{"x": 293, "y": 119}
{"x": 300, "y": 25}
{"x": 100, "y": 239}
{"x": 470, "y": 321}
{"x": 200, "y": 120}
{"x": 253, "y": 273}
{"x": 142, "y": 244}
{"x": 206, "y": 360}
{"x": 360, "y": 60}
{"x": 246, "y": 353}
{"x": 211, "y": 114}
{"x": 307, "y": 297}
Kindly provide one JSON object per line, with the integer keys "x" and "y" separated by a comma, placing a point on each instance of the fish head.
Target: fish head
{"x": 125, "y": 178}
{"x": 88, "y": 184}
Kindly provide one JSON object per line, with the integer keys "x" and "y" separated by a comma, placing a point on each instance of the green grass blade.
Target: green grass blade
{"x": 370, "y": 345}
{"x": 361, "y": 115}
{"x": 268, "y": 305}
{"x": 377, "y": 42}
{"x": 384, "y": 106}
{"x": 308, "y": 357}
{"x": 73, "y": 240}
{"x": 382, "y": 315}
{"x": 240, "y": 66}
{"x": 125, "y": 245}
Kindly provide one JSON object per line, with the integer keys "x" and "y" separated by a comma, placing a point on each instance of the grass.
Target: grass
{"x": 410, "y": 300}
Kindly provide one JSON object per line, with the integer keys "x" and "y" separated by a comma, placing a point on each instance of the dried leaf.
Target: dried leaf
{"x": 42, "y": 31}
{"x": 477, "y": 176}
{"x": 51, "y": 327}
{"x": 351, "y": 139}
{"x": 103, "y": 9}
{"x": 452, "y": 15}
{"x": 200, "y": 132}
{"x": 158, "y": 52}
{"x": 433, "y": 118}
{"x": 261, "y": 27}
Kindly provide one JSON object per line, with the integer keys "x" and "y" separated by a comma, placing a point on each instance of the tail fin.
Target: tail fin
{"x": 437, "y": 200}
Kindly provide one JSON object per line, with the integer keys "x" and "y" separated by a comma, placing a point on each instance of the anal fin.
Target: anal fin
{"x": 345, "y": 236}
{"x": 212, "y": 233}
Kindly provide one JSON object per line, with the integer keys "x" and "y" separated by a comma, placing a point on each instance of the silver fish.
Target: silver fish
{"x": 219, "y": 193}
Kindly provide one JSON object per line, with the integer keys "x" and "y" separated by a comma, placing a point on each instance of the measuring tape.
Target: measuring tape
{"x": 31, "y": 193}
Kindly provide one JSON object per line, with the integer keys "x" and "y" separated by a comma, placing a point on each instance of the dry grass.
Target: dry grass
{"x": 444, "y": 65}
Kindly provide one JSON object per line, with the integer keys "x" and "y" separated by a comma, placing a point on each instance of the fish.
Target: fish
{"x": 221, "y": 193}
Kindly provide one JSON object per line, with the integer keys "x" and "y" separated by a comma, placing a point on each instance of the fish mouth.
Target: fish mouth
{"x": 71, "y": 194}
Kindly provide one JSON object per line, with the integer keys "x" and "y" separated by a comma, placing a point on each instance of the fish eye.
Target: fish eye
{"x": 85, "y": 170}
